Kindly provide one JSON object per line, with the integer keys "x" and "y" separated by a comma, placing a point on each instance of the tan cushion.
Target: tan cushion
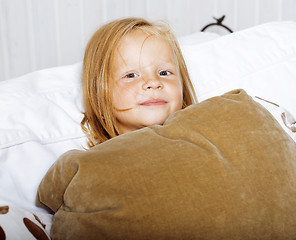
{"x": 220, "y": 169}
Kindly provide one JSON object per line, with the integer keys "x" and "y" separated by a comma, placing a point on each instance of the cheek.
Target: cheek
{"x": 123, "y": 96}
{"x": 177, "y": 92}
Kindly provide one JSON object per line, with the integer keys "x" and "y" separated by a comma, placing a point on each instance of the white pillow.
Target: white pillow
{"x": 261, "y": 60}
{"x": 197, "y": 38}
{"x": 40, "y": 120}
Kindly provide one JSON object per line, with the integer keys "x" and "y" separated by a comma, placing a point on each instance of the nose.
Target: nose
{"x": 152, "y": 83}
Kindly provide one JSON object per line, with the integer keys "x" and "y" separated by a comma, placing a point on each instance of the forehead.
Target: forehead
{"x": 138, "y": 43}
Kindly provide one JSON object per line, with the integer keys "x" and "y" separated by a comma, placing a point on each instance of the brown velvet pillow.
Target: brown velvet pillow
{"x": 220, "y": 169}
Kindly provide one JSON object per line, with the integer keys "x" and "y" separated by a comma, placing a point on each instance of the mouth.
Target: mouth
{"x": 154, "y": 102}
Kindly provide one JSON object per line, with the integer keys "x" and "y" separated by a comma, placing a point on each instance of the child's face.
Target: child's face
{"x": 146, "y": 86}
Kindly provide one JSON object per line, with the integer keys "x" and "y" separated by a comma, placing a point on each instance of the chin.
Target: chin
{"x": 158, "y": 121}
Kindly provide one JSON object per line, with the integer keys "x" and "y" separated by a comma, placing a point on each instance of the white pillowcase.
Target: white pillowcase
{"x": 40, "y": 120}
{"x": 261, "y": 60}
{"x": 41, "y": 111}
{"x": 197, "y": 38}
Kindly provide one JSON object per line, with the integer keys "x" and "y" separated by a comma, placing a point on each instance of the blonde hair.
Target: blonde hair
{"x": 98, "y": 122}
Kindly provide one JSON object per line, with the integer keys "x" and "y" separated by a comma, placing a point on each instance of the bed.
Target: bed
{"x": 41, "y": 114}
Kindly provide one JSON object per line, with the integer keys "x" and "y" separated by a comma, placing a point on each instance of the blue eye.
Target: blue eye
{"x": 131, "y": 75}
{"x": 164, "y": 73}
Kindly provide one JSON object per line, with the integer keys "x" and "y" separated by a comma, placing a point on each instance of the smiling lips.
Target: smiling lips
{"x": 154, "y": 102}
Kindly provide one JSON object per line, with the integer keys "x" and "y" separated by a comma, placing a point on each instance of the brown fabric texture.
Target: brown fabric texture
{"x": 220, "y": 169}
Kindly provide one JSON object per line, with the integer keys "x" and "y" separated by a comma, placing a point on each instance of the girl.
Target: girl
{"x": 134, "y": 76}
